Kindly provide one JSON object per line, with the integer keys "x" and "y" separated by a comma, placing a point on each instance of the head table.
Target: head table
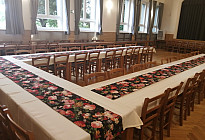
{"x": 31, "y": 113}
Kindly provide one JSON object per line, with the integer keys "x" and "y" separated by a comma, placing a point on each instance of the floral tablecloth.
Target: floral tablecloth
{"x": 116, "y": 90}
{"x": 94, "y": 119}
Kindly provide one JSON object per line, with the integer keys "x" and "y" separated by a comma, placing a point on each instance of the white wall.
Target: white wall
{"x": 26, "y": 14}
{"x": 171, "y": 15}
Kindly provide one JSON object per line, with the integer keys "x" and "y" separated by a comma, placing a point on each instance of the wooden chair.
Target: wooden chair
{"x": 127, "y": 45}
{"x": 110, "y": 46}
{"x": 13, "y": 130}
{"x": 54, "y": 47}
{"x": 99, "y": 47}
{"x": 90, "y": 47}
{"x": 10, "y": 49}
{"x": 93, "y": 61}
{"x": 4, "y": 124}
{"x": 23, "y": 49}
{"x": 150, "y": 52}
{"x": 116, "y": 46}
{"x": 176, "y": 46}
{"x": 79, "y": 65}
{"x": 94, "y": 77}
{"x": 136, "y": 55}
{"x": 190, "y": 47}
{"x": 200, "y": 85}
{"x": 41, "y": 48}
{"x": 61, "y": 64}
{"x": 143, "y": 58}
{"x": 118, "y": 60}
{"x": 185, "y": 100}
{"x": 74, "y": 48}
{"x": 167, "y": 110}
{"x": 107, "y": 62}
{"x": 169, "y": 45}
{"x": 64, "y": 47}
{"x": 116, "y": 73}
{"x": 199, "y": 46}
{"x": 136, "y": 67}
{"x": 150, "y": 113}
{"x": 150, "y": 64}
{"x": 64, "y": 41}
{"x": 41, "y": 62}
{"x": 128, "y": 57}
{"x": 183, "y": 47}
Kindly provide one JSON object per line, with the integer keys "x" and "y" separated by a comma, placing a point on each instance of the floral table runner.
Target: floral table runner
{"x": 121, "y": 88}
{"x": 94, "y": 119}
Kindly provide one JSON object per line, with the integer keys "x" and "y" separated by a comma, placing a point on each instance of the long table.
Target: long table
{"x": 27, "y": 57}
{"x": 34, "y": 115}
{"x": 135, "y": 99}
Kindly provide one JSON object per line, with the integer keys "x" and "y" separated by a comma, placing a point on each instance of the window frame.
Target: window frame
{"x": 84, "y": 19}
{"x": 129, "y": 19}
{"x": 60, "y": 17}
{"x": 144, "y": 25}
{"x": 3, "y": 26}
{"x": 156, "y": 19}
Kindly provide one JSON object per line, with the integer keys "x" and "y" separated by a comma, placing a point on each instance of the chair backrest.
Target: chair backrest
{"x": 94, "y": 77}
{"x": 23, "y": 49}
{"x": 150, "y": 64}
{"x": 10, "y": 49}
{"x": 93, "y": 55}
{"x": 54, "y": 47}
{"x": 99, "y": 47}
{"x": 118, "y": 52}
{"x": 117, "y": 46}
{"x": 11, "y": 129}
{"x": 74, "y": 48}
{"x": 110, "y": 54}
{"x": 16, "y": 131}
{"x": 171, "y": 99}
{"x": 136, "y": 67}
{"x": 41, "y": 62}
{"x": 60, "y": 60}
{"x": 116, "y": 72}
{"x": 80, "y": 57}
{"x": 129, "y": 51}
{"x": 90, "y": 47}
{"x": 151, "y": 109}
{"x": 41, "y": 48}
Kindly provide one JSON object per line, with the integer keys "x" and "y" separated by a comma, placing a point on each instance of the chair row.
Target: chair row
{"x": 181, "y": 56}
{"x": 157, "y": 112}
{"x": 9, "y": 129}
{"x": 185, "y": 46}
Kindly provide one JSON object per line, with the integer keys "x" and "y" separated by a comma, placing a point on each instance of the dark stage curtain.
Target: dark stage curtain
{"x": 192, "y": 20}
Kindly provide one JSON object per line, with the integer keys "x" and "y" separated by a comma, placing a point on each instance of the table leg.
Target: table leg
{"x": 68, "y": 71}
{"x": 128, "y": 134}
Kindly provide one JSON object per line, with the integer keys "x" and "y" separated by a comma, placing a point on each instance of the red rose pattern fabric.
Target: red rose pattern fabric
{"x": 94, "y": 119}
{"x": 122, "y": 88}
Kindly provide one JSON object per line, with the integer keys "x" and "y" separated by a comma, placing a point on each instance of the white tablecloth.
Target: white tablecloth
{"x": 135, "y": 100}
{"x": 33, "y": 114}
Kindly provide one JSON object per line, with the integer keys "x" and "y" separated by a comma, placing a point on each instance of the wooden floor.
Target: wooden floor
{"x": 194, "y": 127}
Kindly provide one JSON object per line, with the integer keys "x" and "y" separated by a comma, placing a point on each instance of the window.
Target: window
{"x": 88, "y": 18}
{"x": 50, "y": 15}
{"x": 155, "y": 25}
{"x": 126, "y": 16}
{"x": 2, "y": 15}
{"x": 144, "y": 15}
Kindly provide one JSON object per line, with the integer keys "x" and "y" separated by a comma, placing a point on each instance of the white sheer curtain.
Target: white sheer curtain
{"x": 14, "y": 17}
